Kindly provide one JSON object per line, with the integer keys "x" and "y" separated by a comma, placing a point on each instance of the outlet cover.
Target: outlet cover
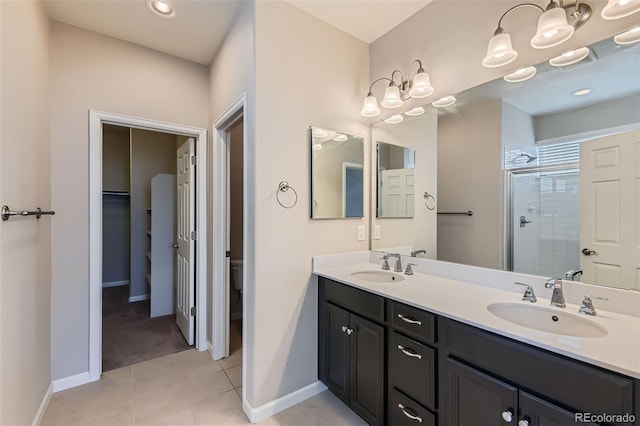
{"x": 360, "y": 232}
{"x": 376, "y": 232}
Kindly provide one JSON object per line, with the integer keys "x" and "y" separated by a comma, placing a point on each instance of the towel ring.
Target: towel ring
{"x": 284, "y": 187}
{"x": 429, "y": 201}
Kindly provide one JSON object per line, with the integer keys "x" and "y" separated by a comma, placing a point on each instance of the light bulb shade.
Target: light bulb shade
{"x": 370, "y": 107}
{"x": 522, "y": 74}
{"x": 394, "y": 119}
{"x": 628, "y": 37}
{"x": 553, "y": 29}
{"x": 616, "y": 9}
{"x": 444, "y": 102}
{"x": 569, "y": 58}
{"x": 391, "y": 97}
{"x": 500, "y": 52}
{"x": 415, "y": 112}
{"x": 421, "y": 86}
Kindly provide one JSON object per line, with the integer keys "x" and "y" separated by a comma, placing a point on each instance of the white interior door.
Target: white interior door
{"x": 397, "y": 193}
{"x": 185, "y": 239}
{"x": 609, "y": 210}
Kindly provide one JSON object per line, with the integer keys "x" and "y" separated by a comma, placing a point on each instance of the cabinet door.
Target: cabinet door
{"x": 367, "y": 369}
{"x": 537, "y": 412}
{"x": 336, "y": 351}
{"x": 475, "y": 398}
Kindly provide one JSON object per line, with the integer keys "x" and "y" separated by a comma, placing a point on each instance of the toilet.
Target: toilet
{"x": 236, "y": 282}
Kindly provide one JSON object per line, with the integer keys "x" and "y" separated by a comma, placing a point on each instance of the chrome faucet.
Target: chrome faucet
{"x": 398, "y": 267}
{"x": 417, "y": 252}
{"x": 571, "y": 275}
{"x": 385, "y": 263}
{"x": 529, "y": 294}
{"x": 587, "y": 305}
{"x": 557, "y": 298}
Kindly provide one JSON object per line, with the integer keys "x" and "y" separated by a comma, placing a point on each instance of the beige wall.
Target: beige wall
{"x": 25, "y": 266}
{"x": 307, "y": 73}
{"x": 91, "y": 71}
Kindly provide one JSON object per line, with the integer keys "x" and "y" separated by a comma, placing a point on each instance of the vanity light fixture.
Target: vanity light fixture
{"x": 341, "y": 137}
{"x": 394, "y": 119}
{"x": 444, "y": 102}
{"x": 616, "y": 9}
{"x": 415, "y": 112}
{"x": 581, "y": 92}
{"x": 418, "y": 86}
{"x": 628, "y": 37}
{"x": 570, "y": 57}
{"x": 521, "y": 75}
{"x": 555, "y": 26}
{"x": 162, "y": 8}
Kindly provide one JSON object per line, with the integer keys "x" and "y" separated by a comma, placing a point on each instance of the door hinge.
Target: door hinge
{"x": 193, "y": 160}
{"x": 227, "y": 253}
{"x": 193, "y": 235}
{"x": 193, "y": 311}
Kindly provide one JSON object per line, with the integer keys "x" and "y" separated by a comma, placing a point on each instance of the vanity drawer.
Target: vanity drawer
{"x": 413, "y": 322}
{"x": 403, "y": 411}
{"x": 355, "y": 300}
{"x": 412, "y": 369}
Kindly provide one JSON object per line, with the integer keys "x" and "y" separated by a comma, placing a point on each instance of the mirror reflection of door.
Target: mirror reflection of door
{"x": 353, "y": 188}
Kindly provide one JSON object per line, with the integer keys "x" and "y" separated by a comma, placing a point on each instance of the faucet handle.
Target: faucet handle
{"x": 529, "y": 294}
{"x": 587, "y": 307}
{"x": 385, "y": 264}
{"x": 409, "y": 269}
{"x": 553, "y": 283}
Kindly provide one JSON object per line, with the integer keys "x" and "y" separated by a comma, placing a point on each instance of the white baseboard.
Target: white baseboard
{"x": 269, "y": 409}
{"x": 210, "y": 347}
{"x": 115, "y": 284}
{"x": 43, "y": 406}
{"x": 71, "y": 382}
{"x": 139, "y": 298}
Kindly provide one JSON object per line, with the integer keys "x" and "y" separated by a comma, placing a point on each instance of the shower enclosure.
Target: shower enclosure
{"x": 543, "y": 204}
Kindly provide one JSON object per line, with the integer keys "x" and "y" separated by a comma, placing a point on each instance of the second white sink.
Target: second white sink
{"x": 547, "y": 319}
{"x": 378, "y": 276}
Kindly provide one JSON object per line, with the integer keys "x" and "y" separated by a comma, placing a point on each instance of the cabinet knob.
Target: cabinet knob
{"x": 349, "y": 331}
{"x": 523, "y": 422}
{"x": 344, "y": 328}
{"x": 175, "y": 245}
{"x": 412, "y": 416}
{"x": 507, "y": 416}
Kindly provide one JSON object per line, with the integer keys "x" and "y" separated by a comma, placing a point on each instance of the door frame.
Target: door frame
{"x": 220, "y": 186}
{"x": 96, "y": 120}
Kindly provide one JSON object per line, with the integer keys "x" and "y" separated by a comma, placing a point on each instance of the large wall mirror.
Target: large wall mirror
{"x": 549, "y": 167}
{"x": 337, "y": 174}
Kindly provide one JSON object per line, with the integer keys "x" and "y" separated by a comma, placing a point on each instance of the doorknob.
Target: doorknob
{"x": 175, "y": 245}
{"x": 588, "y": 252}
{"x": 523, "y": 221}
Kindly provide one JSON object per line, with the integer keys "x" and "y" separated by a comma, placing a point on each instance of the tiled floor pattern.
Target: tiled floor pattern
{"x": 186, "y": 388}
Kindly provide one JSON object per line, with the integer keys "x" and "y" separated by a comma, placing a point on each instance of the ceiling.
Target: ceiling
{"x": 200, "y": 26}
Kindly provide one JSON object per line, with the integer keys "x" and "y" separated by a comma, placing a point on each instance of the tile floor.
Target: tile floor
{"x": 186, "y": 388}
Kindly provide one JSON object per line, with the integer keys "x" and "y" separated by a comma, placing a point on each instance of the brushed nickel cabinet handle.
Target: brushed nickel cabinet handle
{"x": 409, "y": 320}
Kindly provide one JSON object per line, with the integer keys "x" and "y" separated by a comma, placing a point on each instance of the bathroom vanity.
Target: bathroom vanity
{"x": 395, "y": 360}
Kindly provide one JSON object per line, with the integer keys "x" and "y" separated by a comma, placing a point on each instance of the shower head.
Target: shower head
{"x": 529, "y": 158}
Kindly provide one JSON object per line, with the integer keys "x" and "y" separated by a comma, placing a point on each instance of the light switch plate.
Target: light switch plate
{"x": 376, "y": 232}
{"x": 360, "y": 232}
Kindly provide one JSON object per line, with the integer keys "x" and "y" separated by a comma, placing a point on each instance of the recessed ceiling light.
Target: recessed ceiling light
{"x": 581, "y": 92}
{"x": 520, "y": 75}
{"x": 415, "y": 112}
{"x": 628, "y": 37}
{"x": 394, "y": 119}
{"x": 162, "y": 8}
{"x": 570, "y": 57}
{"x": 341, "y": 137}
{"x": 444, "y": 102}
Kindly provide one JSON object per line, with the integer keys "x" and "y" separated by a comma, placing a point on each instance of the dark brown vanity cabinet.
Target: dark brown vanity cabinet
{"x": 352, "y": 347}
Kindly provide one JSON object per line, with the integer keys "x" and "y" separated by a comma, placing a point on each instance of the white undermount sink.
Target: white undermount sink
{"x": 547, "y": 319}
{"x": 378, "y": 276}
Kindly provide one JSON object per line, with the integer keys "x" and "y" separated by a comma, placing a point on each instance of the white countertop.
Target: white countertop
{"x": 618, "y": 351}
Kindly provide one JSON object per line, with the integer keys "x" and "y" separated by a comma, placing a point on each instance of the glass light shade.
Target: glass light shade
{"x": 421, "y": 86}
{"x": 520, "y": 75}
{"x": 499, "y": 52}
{"x": 415, "y": 112}
{"x": 370, "y": 107}
{"x": 391, "y": 97}
{"x": 553, "y": 29}
{"x": 444, "y": 102}
{"x": 569, "y": 58}
{"x": 616, "y": 9}
{"x": 319, "y": 132}
{"x": 628, "y": 37}
{"x": 394, "y": 119}
{"x": 341, "y": 137}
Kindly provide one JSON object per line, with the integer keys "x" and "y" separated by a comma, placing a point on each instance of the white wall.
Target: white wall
{"x": 25, "y": 257}
{"x": 420, "y": 232}
{"x": 91, "y": 71}
{"x": 307, "y": 73}
{"x": 518, "y": 135}
{"x": 470, "y": 178}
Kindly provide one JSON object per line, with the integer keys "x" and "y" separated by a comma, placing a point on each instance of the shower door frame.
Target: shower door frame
{"x": 509, "y": 177}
